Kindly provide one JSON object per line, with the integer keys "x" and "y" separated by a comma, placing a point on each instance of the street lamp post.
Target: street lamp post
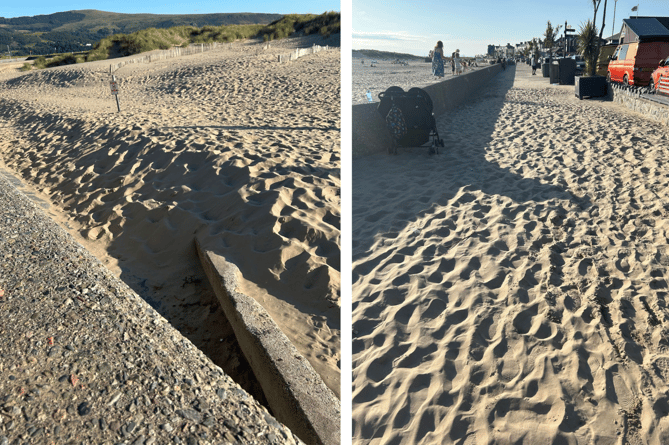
{"x": 614, "y": 16}
{"x": 567, "y": 30}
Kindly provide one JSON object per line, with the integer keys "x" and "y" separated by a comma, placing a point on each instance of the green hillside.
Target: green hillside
{"x": 73, "y": 30}
{"x": 120, "y": 45}
{"x": 375, "y": 54}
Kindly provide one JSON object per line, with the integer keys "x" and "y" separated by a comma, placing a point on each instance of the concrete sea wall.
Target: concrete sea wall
{"x": 370, "y": 134}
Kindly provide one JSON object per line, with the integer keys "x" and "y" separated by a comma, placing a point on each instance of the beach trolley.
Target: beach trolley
{"x": 409, "y": 119}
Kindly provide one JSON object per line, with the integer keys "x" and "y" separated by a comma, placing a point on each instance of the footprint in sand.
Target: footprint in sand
{"x": 621, "y": 393}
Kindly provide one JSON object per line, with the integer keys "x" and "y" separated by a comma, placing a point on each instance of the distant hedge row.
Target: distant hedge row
{"x": 119, "y": 45}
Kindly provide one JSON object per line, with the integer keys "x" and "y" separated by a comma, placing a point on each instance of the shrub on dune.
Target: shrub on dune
{"x": 164, "y": 38}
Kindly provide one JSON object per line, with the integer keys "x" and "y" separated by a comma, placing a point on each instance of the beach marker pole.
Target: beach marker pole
{"x": 114, "y": 91}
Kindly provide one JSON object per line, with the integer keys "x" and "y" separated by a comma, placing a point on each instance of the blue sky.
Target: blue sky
{"x": 37, "y": 7}
{"x": 414, "y": 27}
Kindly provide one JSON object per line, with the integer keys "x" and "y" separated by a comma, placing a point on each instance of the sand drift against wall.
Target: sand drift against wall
{"x": 513, "y": 288}
{"x": 227, "y": 145}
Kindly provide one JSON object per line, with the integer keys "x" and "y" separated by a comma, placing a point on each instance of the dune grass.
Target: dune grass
{"x": 305, "y": 24}
{"x": 226, "y": 34}
{"x": 61, "y": 59}
{"x": 165, "y": 38}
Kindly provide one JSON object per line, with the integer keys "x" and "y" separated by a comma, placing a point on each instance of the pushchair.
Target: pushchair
{"x": 409, "y": 118}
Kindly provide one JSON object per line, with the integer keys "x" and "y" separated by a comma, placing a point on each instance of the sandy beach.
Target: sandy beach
{"x": 228, "y": 146}
{"x": 386, "y": 74}
{"x": 512, "y": 289}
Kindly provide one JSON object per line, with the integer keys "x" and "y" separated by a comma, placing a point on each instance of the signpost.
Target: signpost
{"x": 567, "y": 31}
{"x": 114, "y": 90}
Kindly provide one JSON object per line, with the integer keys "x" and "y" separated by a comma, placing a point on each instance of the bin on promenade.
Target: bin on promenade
{"x": 554, "y": 72}
{"x": 567, "y": 71}
{"x": 544, "y": 70}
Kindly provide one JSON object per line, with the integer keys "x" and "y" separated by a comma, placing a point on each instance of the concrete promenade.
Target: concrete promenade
{"x": 83, "y": 359}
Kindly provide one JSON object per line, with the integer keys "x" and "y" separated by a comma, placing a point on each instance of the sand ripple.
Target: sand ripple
{"x": 229, "y": 146}
{"x": 513, "y": 288}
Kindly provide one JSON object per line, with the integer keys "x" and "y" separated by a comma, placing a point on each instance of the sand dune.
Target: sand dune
{"x": 228, "y": 146}
{"x": 513, "y": 288}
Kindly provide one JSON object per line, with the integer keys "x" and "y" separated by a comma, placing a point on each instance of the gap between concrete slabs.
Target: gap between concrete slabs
{"x": 295, "y": 392}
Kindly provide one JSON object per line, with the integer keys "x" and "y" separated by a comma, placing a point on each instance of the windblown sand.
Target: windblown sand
{"x": 229, "y": 146}
{"x": 513, "y": 289}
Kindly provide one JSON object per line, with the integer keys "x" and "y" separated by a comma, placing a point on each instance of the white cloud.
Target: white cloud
{"x": 387, "y": 35}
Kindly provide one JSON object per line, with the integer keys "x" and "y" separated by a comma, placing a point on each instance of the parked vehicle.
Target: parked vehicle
{"x": 605, "y": 53}
{"x": 633, "y": 63}
{"x": 659, "y": 79}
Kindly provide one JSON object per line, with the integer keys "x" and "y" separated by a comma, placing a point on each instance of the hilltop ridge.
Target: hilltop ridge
{"x": 71, "y": 31}
{"x": 376, "y": 54}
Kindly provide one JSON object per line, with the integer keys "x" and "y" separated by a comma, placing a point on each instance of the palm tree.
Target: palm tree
{"x": 595, "y": 6}
{"x": 599, "y": 40}
{"x": 549, "y": 38}
{"x": 587, "y": 46}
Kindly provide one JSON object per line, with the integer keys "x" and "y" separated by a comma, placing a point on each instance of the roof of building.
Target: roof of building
{"x": 615, "y": 38}
{"x": 648, "y": 27}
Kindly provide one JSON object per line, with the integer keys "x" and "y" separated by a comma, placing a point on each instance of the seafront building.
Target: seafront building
{"x": 633, "y": 29}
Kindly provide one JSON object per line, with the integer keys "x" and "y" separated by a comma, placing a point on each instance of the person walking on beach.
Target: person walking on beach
{"x": 453, "y": 63}
{"x": 438, "y": 60}
{"x": 535, "y": 63}
{"x": 456, "y": 62}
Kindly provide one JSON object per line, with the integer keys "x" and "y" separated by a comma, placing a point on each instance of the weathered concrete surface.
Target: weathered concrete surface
{"x": 83, "y": 359}
{"x": 295, "y": 392}
{"x": 653, "y": 106}
{"x": 370, "y": 134}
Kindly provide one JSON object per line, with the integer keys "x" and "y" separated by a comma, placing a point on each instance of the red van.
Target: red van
{"x": 632, "y": 63}
{"x": 659, "y": 80}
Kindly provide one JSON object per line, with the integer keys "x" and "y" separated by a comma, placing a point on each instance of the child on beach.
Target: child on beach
{"x": 456, "y": 62}
{"x": 438, "y": 60}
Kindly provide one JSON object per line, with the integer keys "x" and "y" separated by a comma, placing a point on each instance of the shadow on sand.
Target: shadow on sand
{"x": 391, "y": 192}
{"x": 265, "y": 128}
